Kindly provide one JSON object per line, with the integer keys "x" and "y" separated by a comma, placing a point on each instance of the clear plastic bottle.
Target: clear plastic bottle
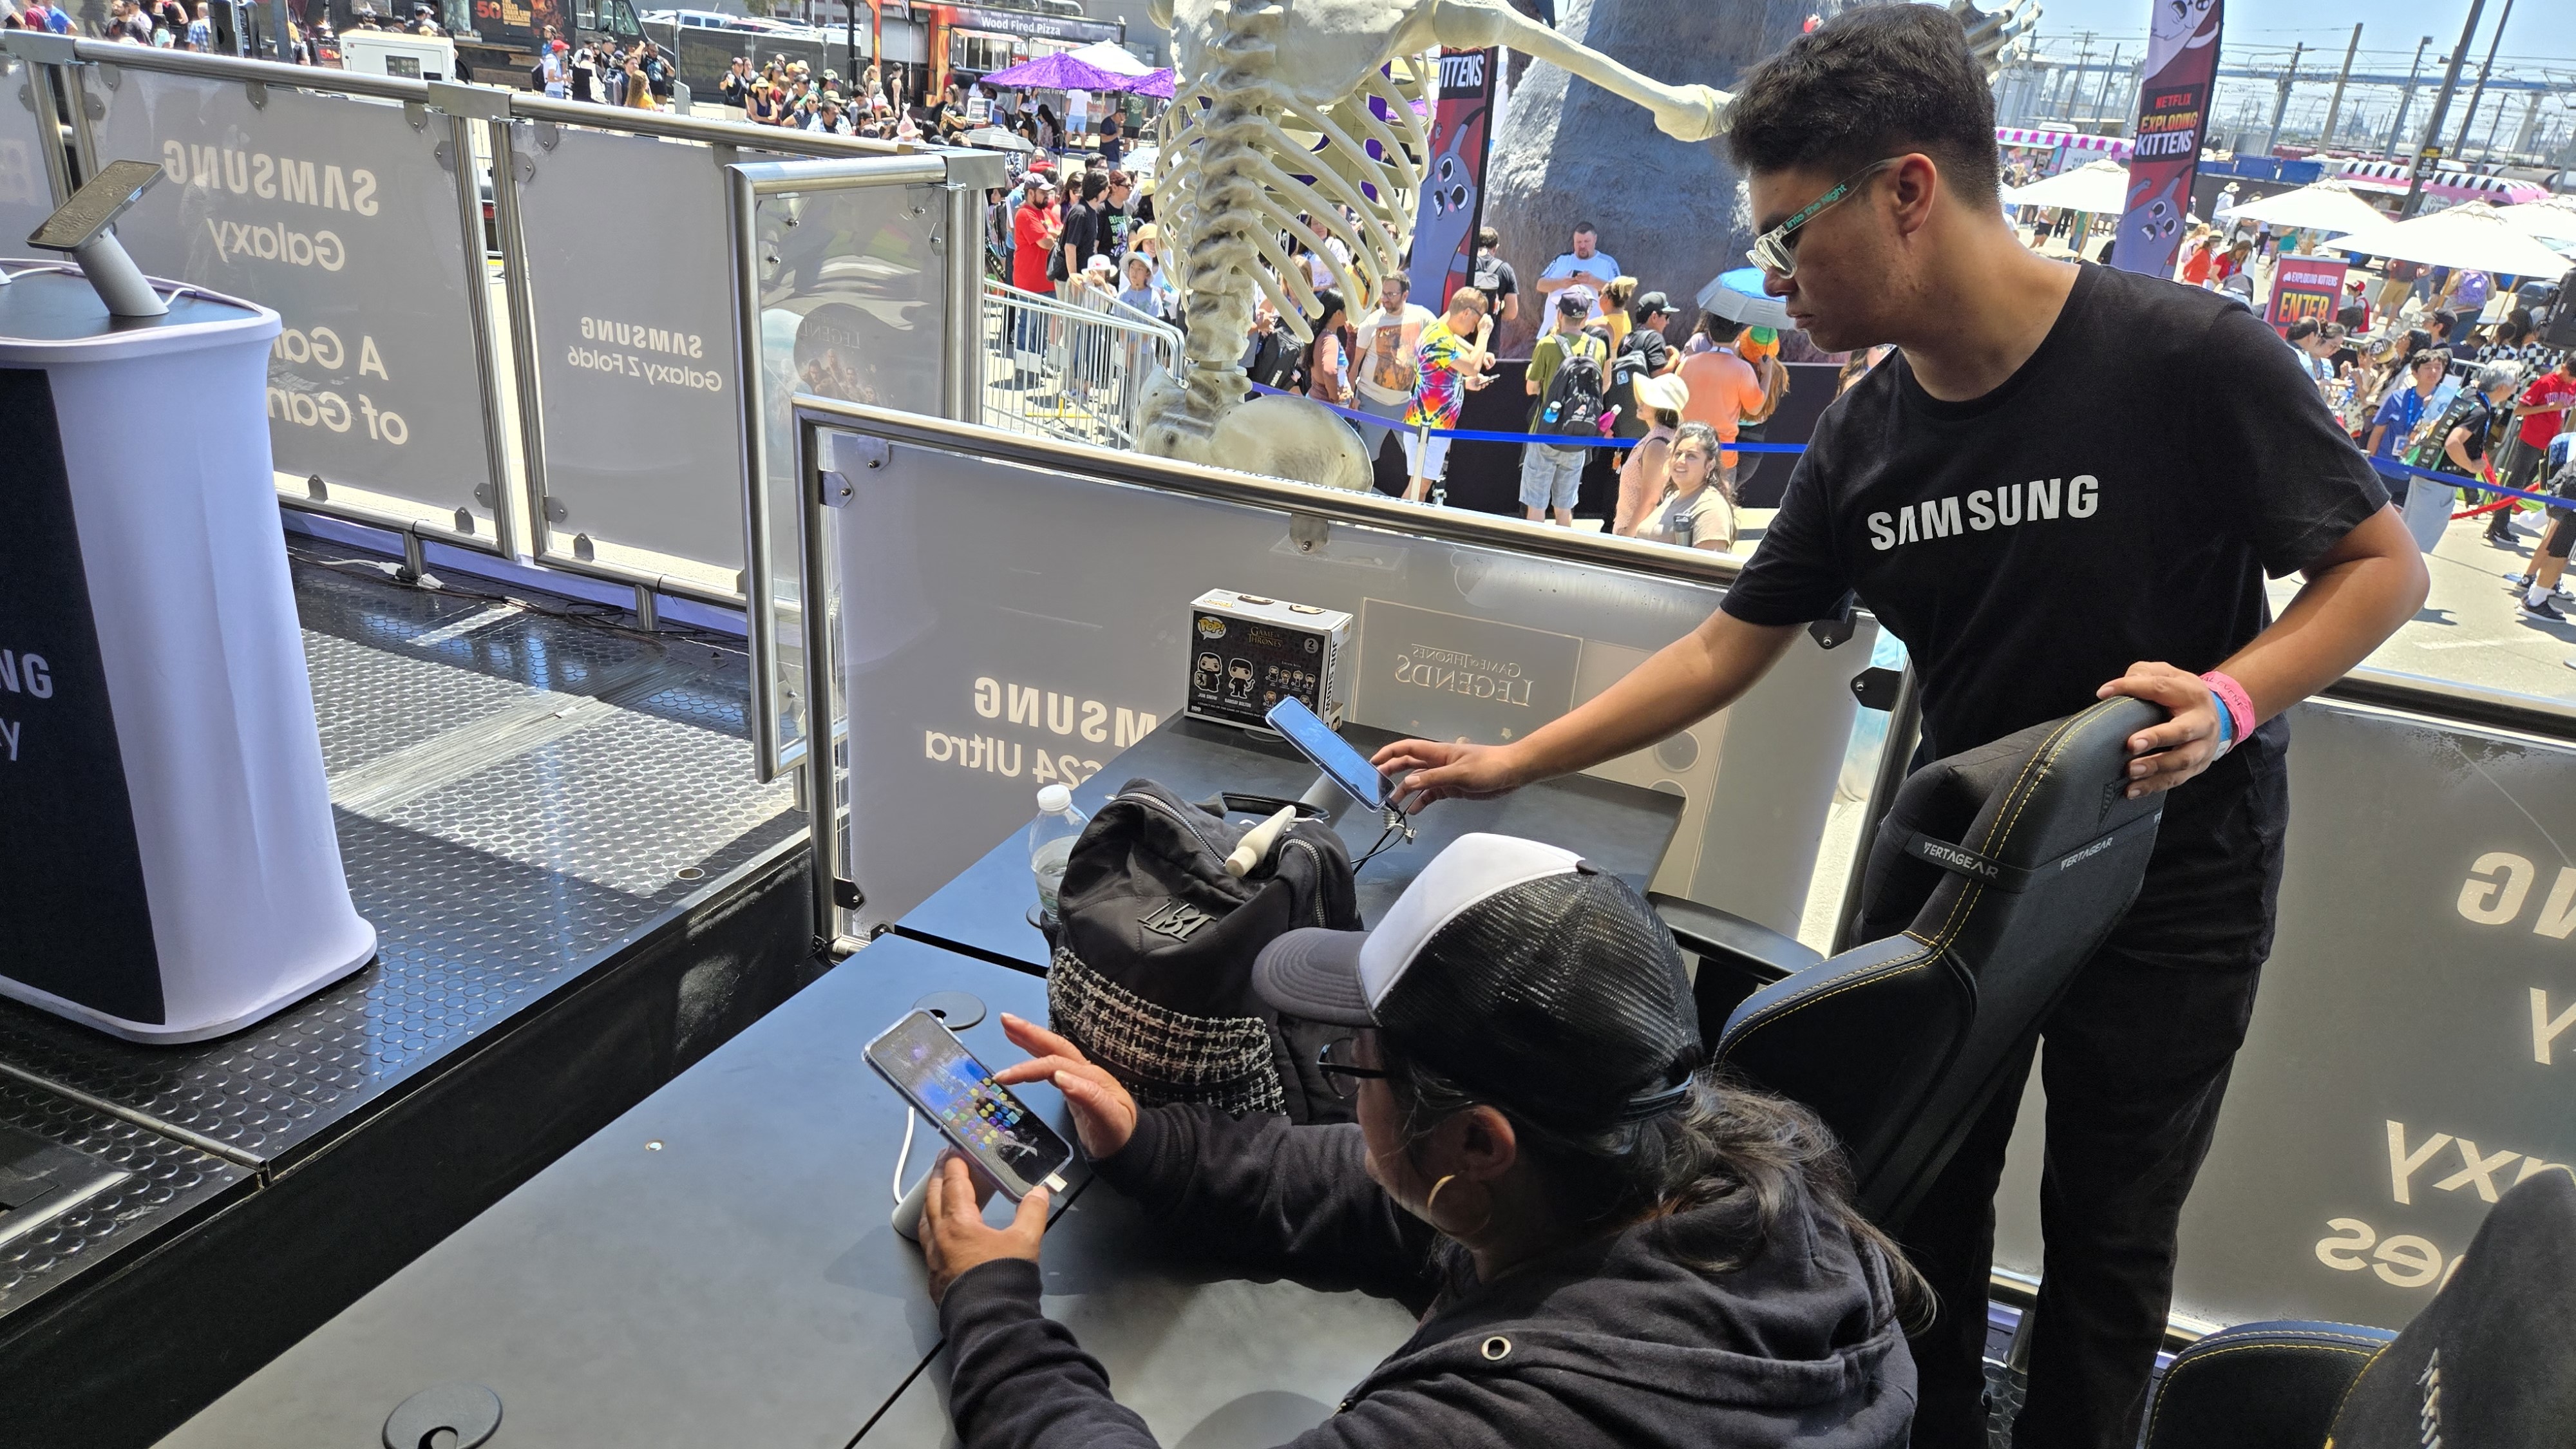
{"x": 1051, "y": 838}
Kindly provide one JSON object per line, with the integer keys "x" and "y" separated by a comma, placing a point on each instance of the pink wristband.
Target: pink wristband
{"x": 2240, "y": 705}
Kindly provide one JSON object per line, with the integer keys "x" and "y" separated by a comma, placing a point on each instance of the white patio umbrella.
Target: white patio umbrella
{"x": 2471, "y": 235}
{"x": 2100, "y": 187}
{"x": 2320, "y": 206}
{"x": 2550, "y": 219}
{"x": 1110, "y": 56}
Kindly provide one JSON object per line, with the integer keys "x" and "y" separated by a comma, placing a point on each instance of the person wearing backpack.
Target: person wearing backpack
{"x": 1643, "y": 352}
{"x": 1569, "y": 375}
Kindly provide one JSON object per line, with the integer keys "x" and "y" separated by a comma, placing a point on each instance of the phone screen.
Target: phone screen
{"x": 91, "y": 208}
{"x": 1331, "y": 753}
{"x": 928, "y": 1064}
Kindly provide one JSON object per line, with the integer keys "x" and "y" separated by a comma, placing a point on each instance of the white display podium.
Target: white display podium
{"x": 168, "y": 867}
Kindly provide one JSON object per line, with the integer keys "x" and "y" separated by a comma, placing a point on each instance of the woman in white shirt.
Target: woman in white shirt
{"x": 1698, "y": 512}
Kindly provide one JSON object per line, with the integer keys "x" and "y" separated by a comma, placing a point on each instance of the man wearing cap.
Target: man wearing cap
{"x": 2011, "y": 494}
{"x": 1552, "y": 474}
{"x": 1607, "y": 1249}
{"x": 1644, "y": 352}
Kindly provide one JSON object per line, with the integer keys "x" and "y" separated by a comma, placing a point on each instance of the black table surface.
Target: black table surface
{"x": 716, "y": 1267}
{"x": 1623, "y": 829}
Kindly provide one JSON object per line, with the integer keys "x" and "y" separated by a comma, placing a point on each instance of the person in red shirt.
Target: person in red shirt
{"x": 2543, "y": 411}
{"x": 1034, "y": 229}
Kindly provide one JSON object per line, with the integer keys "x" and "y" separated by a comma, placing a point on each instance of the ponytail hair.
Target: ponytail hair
{"x": 1727, "y": 1143}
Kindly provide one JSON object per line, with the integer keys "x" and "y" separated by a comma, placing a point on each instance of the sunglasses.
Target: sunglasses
{"x": 1775, "y": 250}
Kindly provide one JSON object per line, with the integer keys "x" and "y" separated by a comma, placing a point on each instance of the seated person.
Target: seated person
{"x": 1607, "y": 1247}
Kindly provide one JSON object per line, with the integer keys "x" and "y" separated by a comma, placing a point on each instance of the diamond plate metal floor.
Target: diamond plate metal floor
{"x": 520, "y": 796}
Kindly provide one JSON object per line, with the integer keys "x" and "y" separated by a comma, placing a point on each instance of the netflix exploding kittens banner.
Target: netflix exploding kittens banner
{"x": 1453, "y": 191}
{"x": 2173, "y": 115}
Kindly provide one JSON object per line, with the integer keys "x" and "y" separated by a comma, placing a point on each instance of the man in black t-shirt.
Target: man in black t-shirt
{"x": 1085, "y": 229}
{"x": 2068, "y": 483}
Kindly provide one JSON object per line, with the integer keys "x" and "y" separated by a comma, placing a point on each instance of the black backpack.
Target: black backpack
{"x": 1572, "y": 406}
{"x": 1151, "y": 974}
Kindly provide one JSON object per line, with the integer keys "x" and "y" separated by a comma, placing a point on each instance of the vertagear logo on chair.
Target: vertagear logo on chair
{"x": 1176, "y": 919}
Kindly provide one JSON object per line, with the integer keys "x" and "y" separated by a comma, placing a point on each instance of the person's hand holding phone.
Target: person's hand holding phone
{"x": 1424, "y": 771}
{"x": 1104, "y": 1115}
{"x": 954, "y": 1238}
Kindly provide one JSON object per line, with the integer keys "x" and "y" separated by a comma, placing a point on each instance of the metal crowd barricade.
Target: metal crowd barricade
{"x": 1072, "y": 366}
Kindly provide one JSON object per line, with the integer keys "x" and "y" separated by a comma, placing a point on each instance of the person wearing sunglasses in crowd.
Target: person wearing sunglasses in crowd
{"x": 2068, "y": 482}
{"x": 1608, "y": 1247}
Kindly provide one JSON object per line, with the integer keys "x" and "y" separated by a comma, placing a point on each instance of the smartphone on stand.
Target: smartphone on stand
{"x": 925, "y": 1061}
{"x": 1340, "y": 761}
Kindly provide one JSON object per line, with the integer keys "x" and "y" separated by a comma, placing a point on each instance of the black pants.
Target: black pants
{"x": 2135, "y": 1061}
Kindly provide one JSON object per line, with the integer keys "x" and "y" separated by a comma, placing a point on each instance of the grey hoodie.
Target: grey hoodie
{"x": 1616, "y": 1341}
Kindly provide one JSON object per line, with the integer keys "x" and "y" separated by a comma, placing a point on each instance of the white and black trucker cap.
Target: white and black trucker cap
{"x": 1517, "y": 970}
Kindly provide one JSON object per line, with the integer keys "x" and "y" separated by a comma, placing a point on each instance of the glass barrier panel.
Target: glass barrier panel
{"x": 1006, "y": 627}
{"x": 635, "y": 357}
{"x": 853, "y": 307}
{"x": 338, "y": 213}
{"x": 26, "y": 191}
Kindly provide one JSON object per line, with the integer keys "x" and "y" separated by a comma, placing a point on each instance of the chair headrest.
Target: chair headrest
{"x": 2010, "y": 814}
{"x": 2492, "y": 1359}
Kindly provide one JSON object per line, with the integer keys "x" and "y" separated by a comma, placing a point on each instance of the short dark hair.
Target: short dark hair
{"x": 1581, "y": 227}
{"x": 1488, "y": 237}
{"x": 1093, "y": 184}
{"x": 1870, "y": 83}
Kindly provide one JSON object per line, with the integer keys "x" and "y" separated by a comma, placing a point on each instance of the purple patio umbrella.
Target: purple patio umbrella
{"x": 1061, "y": 72}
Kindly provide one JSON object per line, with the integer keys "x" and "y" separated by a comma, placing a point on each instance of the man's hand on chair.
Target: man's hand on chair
{"x": 2181, "y": 747}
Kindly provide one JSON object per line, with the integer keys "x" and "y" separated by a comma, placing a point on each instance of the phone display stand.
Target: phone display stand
{"x": 907, "y": 1209}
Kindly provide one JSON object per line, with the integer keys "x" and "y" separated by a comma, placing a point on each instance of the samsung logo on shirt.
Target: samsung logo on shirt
{"x": 1987, "y": 508}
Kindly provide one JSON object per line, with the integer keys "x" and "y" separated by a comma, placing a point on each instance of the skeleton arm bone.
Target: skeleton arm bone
{"x": 1685, "y": 113}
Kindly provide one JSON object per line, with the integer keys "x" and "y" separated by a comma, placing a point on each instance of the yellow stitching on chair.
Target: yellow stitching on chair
{"x": 2050, "y": 747}
{"x": 2198, "y": 1359}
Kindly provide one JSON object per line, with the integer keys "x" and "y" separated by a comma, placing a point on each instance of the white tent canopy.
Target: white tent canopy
{"x": 2473, "y": 235}
{"x": 2553, "y": 219}
{"x": 1109, "y": 55}
{"x": 2102, "y": 186}
{"x": 2323, "y": 205}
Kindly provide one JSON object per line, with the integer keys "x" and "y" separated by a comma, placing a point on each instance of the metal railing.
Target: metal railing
{"x": 1072, "y": 367}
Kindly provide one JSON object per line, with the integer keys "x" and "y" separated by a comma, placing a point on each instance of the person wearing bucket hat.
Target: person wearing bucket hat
{"x": 1658, "y": 400}
{"x": 1606, "y": 1246}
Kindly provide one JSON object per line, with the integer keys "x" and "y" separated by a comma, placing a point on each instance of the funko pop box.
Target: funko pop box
{"x": 1247, "y": 653}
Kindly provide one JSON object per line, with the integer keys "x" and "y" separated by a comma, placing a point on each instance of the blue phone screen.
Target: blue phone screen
{"x": 1331, "y": 753}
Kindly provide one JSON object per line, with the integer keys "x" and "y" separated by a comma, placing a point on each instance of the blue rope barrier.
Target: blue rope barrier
{"x": 2457, "y": 480}
{"x": 1480, "y": 435}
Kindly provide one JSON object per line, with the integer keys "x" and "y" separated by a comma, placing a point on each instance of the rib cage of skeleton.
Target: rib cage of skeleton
{"x": 1288, "y": 122}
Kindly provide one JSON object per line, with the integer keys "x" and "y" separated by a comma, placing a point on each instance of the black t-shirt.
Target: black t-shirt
{"x": 2119, "y": 498}
{"x": 1642, "y": 353}
{"x": 1496, "y": 279}
{"x": 1082, "y": 233}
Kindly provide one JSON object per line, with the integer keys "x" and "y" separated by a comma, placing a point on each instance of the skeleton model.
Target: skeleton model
{"x": 1276, "y": 128}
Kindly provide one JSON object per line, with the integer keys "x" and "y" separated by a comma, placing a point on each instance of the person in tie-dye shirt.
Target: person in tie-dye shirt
{"x": 1450, "y": 362}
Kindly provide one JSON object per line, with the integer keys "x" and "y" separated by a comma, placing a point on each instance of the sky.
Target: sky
{"x": 2392, "y": 25}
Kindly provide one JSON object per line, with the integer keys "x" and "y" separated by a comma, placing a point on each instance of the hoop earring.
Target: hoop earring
{"x": 1433, "y": 1201}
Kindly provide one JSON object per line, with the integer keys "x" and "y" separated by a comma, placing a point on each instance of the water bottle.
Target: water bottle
{"x": 1051, "y": 838}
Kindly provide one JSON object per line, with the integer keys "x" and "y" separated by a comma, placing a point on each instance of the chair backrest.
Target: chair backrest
{"x": 2491, "y": 1361}
{"x": 2006, "y": 867}
{"x": 2272, "y": 1385}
